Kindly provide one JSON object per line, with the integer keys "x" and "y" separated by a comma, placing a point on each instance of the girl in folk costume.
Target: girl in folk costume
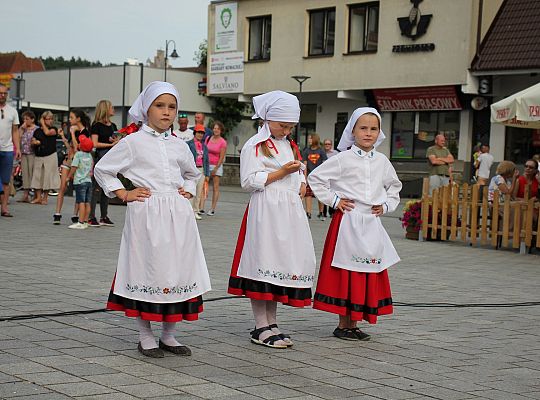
{"x": 274, "y": 259}
{"x": 362, "y": 184}
{"x": 161, "y": 272}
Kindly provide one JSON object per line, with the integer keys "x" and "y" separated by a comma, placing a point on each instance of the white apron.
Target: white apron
{"x": 362, "y": 243}
{"x": 278, "y": 247}
{"x": 158, "y": 262}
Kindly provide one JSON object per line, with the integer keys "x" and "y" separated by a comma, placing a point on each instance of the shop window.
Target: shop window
{"x": 363, "y": 27}
{"x": 414, "y": 132}
{"x": 521, "y": 144}
{"x": 322, "y": 27}
{"x": 260, "y": 32}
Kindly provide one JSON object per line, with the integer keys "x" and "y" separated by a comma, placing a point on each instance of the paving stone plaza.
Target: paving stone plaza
{"x": 416, "y": 353}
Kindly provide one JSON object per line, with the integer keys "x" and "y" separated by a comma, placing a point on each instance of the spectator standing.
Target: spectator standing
{"x": 313, "y": 156}
{"x": 217, "y": 148}
{"x": 200, "y": 154}
{"x": 9, "y": 147}
{"x": 81, "y": 169}
{"x": 45, "y": 175}
{"x": 103, "y": 138}
{"x": 183, "y": 132}
{"x": 483, "y": 165}
{"x": 440, "y": 161}
{"x": 26, "y": 132}
{"x": 200, "y": 120}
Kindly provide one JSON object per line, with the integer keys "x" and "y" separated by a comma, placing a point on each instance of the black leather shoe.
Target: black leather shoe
{"x": 179, "y": 350}
{"x": 154, "y": 353}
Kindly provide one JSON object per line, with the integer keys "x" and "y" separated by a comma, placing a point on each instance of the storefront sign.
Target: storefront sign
{"x": 226, "y": 62}
{"x": 226, "y": 83}
{"x": 226, "y": 27}
{"x": 418, "y": 99}
{"x": 413, "y": 48}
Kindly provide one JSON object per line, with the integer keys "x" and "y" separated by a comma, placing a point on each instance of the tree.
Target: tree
{"x": 62, "y": 63}
{"x": 201, "y": 54}
{"x": 227, "y": 110}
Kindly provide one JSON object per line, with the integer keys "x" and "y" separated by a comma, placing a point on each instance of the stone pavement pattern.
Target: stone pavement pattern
{"x": 416, "y": 353}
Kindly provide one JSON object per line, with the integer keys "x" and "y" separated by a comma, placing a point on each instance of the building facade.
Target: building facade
{"x": 408, "y": 59}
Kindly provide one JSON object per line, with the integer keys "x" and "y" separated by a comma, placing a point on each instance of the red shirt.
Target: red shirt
{"x": 533, "y": 189}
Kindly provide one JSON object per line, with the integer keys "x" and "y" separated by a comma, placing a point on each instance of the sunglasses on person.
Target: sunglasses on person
{"x": 182, "y": 115}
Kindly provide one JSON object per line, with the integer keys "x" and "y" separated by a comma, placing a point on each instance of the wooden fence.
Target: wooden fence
{"x": 464, "y": 213}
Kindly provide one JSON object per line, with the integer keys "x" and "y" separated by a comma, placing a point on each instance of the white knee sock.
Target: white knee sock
{"x": 261, "y": 317}
{"x": 259, "y": 312}
{"x": 167, "y": 334}
{"x": 271, "y": 312}
{"x": 146, "y": 337}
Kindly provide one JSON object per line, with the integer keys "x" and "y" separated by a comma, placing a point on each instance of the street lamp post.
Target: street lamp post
{"x": 300, "y": 79}
{"x": 174, "y": 54}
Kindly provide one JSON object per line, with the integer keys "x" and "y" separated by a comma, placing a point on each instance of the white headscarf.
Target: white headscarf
{"x": 139, "y": 109}
{"x": 273, "y": 106}
{"x": 347, "y": 138}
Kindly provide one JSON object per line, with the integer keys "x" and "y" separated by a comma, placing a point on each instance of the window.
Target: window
{"x": 260, "y": 32}
{"x": 363, "y": 27}
{"x": 322, "y": 27}
{"x": 521, "y": 144}
{"x": 406, "y": 144}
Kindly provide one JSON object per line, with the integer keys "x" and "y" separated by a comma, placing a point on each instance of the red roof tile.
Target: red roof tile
{"x": 513, "y": 39}
{"x": 18, "y": 62}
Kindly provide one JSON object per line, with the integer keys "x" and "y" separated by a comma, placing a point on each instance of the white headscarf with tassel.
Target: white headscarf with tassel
{"x": 347, "y": 138}
{"x": 273, "y": 106}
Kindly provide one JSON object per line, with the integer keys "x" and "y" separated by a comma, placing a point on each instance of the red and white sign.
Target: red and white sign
{"x": 521, "y": 110}
{"x": 418, "y": 99}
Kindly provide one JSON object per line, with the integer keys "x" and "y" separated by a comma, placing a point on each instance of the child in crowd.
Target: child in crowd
{"x": 161, "y": 273}
{"x": 80, "y": 172}
{"x": 313, "y": 155}
{"x": 362, "y": 184}
{"x": 198, "y": 147}
{"x": 274, "y": 259}
{"x": 79, "y": 123}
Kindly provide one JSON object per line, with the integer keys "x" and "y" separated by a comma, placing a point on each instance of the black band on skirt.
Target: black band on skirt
{"x": 351, "y": 306}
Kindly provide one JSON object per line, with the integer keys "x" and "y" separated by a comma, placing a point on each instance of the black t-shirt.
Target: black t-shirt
{"x": 47, "y": 143}
{"x": 84, "y": 132}
{"x": 103, "y": 131}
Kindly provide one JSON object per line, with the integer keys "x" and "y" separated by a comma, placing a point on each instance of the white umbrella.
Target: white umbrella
{"x": 521, "y": 110}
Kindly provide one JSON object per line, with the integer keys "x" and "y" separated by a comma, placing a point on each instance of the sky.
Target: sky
{"x": 110, "y": 31}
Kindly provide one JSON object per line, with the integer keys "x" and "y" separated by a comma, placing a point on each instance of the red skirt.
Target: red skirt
{"x": 257, "y": 290}
{"x": 362, "y": 295}
{"x": 188, "y": 310}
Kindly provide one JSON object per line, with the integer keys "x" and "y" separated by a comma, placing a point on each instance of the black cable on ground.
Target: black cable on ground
{"x": 397, "y": 304}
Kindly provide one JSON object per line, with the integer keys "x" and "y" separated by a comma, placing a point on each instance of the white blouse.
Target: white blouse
{"x": 255, "y": 167}
{"x": 159, "y": 162}
{"x": 367, "y": 178}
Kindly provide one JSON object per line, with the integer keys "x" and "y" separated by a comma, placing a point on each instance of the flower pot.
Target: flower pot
{"x": 412, "y": 233}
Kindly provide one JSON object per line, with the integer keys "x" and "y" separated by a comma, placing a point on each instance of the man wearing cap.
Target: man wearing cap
{"x": 183, "y": 132}
{"x": 199, "y": 120}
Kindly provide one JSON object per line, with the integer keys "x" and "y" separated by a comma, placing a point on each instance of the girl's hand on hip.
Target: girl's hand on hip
{"x": 345, "y": 205}
{"x": 377, "y": 210}
{"x": 138, "y": 194}
{"x": 182, "y": 192}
